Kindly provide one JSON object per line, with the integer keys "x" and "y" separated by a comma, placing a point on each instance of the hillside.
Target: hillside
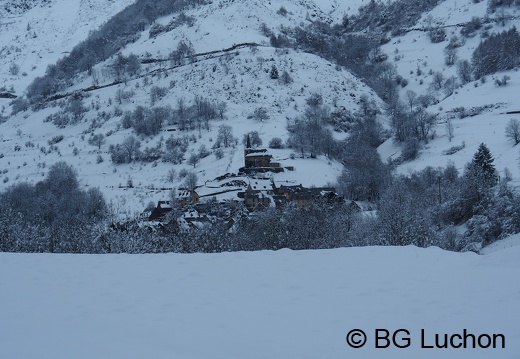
{"x": 418, "y": 60}
{"x": 240, "y": 79}
{"x": 37, "y": 33}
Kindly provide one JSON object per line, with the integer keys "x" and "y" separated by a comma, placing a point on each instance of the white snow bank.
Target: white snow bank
{"x": 508, "y": 242}
{"x": 281, "y": 304}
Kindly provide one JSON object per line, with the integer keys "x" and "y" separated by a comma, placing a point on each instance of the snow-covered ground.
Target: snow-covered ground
{"x": 284, "y": 304}
{"x": 511, "y": 241}
{"x": 47, "y": 32}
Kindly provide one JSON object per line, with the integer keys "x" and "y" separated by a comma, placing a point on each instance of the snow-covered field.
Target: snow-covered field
{"x": 281, "y": 304}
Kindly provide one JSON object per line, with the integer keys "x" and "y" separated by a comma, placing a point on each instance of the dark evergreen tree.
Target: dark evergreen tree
{"x": 252, "y": 139}
{"x": 274, "y": 72}
{"x": 475, "y": 193}
{"x": 498, "y": 52}
{"x": 483, "y": 165}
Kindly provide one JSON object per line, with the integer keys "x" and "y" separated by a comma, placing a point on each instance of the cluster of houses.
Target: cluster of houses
{"x": 259, "y": 194}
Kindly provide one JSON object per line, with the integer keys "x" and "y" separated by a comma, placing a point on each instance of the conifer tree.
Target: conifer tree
{"x": 483, "y": 165}
{"x": 480, "y": 176}
{"x": 274, "y": 72}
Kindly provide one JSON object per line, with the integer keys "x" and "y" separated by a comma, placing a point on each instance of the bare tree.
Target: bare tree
{"x": 97, "y": 140}
{"x": 450, "y": 85}
{"x": 172, "y": 175}
{"x": 254, "y": 139}
{"x": 450, "y": 56}
{"x": 119, "y": 96}
{"x": 438, "y": 79}
{"x": 221, "y": 109}
{"x": 182, "y": 114}
{"x": 190, "y": 181}
{"x": 225, "y": 136}
{"x": 260, "y": 114}
{"x": 411, "y": 97}
{"x": 131, "y": 147}
{"x": 157, "y": 93}
{"x": 193, "y": 160}
{"x": 449, "y": 129}
{"x": 424, "y": 122}
{"x": 464, "y": 71}
{"x": 76, "y": 108}
{"x": 513, "y": 130}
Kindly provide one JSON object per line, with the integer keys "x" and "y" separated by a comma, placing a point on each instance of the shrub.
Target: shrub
{"x": 55, "y": 140}
{"x": 219, "y": 153}
{"x": 454, "y": 149}
{"x": 282, "y": 11}
{"x": 437, "y": 35}
{"x": 265, "y": 30}
{"x": 183, "y": 173}
{"x": 471, "y": 27}
{"x": 410, "y": 149}
{"x": 203, "y": 152}
{"x": 276, "y": 143}
{"x": 260, "y": 114}
{"x": 503, "y": 81}
{"x": 286, "y": 79}
{"x": 274, "y": 72}
{"x": 14, "y": 69}
{"x": 20, "y": 104}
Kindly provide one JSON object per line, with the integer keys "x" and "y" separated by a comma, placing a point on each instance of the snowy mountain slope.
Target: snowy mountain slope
{"x": 417, "y": 59}
{"x": 240, "y": 78}
{"x": 502, "y": 244}
{"x": 42, "y": 35}
{"x": 256, "y": 305}
{"x": 223, "y": 23}
{"x": 243, "y": 93}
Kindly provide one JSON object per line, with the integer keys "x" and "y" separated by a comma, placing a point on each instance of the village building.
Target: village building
{"x": 302, "y": 196}
{"x": 258, "y": 195}
{"x": 256, "y": 158}
{"x": 183, "y": 198}
{"x": 262, "y": 194}
{"x": 259, "y": 160}
{"x": 159, "y": 212}
{"x": 194, "y": 218}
